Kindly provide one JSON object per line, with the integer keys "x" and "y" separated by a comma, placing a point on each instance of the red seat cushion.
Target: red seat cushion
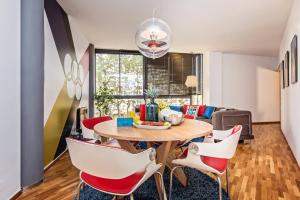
{"x": 91, "y": 122}
{"x": 184, "y": 154}
{"x": 116, "y": 186}
{"x": 201, "y": 110}
{"x": 219, "y": 164}
{"x": 236, "y": 129}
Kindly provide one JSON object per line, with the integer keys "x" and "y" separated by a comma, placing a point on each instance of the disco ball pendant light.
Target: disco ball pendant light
{"x": 153, "y": 38}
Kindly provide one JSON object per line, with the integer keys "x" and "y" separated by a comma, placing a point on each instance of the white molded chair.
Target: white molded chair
{"x": 88, "y": 132}
{"x": 210, "y": 156}
{"x": 87, "y": 126}
{"x": 111, "y": 170}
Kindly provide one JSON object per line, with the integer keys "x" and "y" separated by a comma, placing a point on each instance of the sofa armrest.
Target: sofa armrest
{"x": 224, "y": 120}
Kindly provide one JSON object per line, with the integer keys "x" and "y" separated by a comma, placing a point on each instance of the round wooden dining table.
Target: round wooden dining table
{"x": 168, "y": 140}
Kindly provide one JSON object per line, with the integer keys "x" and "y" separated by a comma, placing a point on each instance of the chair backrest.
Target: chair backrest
{"x": 105, "y": 161}
{"x": 88, "y": 126}
{"x": 91, "y": 122}
{"x": 229, "y": 144}
{"x": 236, "y": 129}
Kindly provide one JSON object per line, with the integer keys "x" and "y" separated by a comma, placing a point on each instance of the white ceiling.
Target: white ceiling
{"x": 236, "y": 26}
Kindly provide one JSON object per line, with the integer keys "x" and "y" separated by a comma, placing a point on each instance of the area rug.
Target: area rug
{"x": 201, "y": 186}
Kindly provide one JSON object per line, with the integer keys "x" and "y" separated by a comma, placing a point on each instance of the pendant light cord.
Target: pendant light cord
{"x": 153, "y": 14}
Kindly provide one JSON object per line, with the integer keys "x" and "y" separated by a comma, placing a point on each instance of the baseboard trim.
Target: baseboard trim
{"x": 54, "y": 161}
{"x": 261, "y": 123}
{"x": 15, "y": 196}
{"x": 293, "y": 155}
{"x": 33, "y": 185}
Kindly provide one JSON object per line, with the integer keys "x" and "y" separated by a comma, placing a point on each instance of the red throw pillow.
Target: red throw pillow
{"x": 201, "y": 110}
{"x": 184, "y": 109}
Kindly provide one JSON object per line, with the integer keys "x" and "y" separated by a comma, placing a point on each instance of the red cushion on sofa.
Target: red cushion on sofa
{"x": 91, "y": 122}
{"x": 201, "y": 110}
{"x": 184, "y": 108}
{"x": 117, "y": 186}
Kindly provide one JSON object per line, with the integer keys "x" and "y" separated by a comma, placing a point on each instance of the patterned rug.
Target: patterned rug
{"x": 200, "y": 186}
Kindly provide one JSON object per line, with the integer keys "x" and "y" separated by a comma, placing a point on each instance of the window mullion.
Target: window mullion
{"x": 120, "y": 92}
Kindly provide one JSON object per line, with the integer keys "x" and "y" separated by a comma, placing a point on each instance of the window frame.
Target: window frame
{"x": 134, "y": 52}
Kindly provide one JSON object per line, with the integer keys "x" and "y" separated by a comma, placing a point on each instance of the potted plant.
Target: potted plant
{"x": 103, "y": 99}
{"x": 152, "y": 107}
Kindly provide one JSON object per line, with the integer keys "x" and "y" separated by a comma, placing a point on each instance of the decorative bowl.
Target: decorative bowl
{"x": 172, "y": 116}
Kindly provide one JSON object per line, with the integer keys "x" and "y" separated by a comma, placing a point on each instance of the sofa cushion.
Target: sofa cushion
{"x": 192, "y": 110}
{"x": 184, "y": 108}
{"x": 176, "y": 108}
{"x": 204, "y": 119}
{"x": 208, "y": 112}
{"x": 201, "y": 110}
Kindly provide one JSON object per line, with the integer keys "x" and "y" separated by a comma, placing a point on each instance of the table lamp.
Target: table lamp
{"x": 191, "y": 82}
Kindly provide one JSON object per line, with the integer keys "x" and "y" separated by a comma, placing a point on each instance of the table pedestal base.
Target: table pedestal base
{"x": 165, "y": 153}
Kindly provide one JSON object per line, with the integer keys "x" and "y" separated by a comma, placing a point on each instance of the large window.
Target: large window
{"x": 123, "y": 73}
{"x": 128, "y": 74}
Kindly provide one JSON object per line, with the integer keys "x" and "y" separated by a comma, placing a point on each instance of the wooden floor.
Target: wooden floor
{"x": 263, "y": 169}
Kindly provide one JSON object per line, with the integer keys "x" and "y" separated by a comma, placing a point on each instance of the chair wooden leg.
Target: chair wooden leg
{"x": 220, "y": 187}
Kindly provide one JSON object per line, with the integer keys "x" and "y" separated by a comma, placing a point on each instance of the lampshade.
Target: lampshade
{"x": 153, "y": 38}
{"x": 191, "y": 81}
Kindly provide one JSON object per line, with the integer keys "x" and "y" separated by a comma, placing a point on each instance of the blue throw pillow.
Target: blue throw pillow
{"x": 176, "y": 108}
{"x": 208, "y": 112}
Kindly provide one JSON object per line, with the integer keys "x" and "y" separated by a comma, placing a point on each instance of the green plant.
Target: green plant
{"x": 103, "y": 99}
{"x": 152, "y": 92}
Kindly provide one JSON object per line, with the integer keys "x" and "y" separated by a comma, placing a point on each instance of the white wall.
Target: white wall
{"x": 10, "y": 98}
{"x": 290, "y": 97}
{"x": 250, "y": 83}
{"x": 245, "y": 82}
{"x": 216, "y": 79}
{"x": 206, "y": 78}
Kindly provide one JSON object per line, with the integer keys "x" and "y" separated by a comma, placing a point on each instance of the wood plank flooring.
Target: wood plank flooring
{"x": 263, "y": 169}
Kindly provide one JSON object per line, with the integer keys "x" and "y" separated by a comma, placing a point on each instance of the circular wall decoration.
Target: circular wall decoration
{"x": 74, "y": 75}
{"x": 81, "y": 75}
{"x": 74, "y": 71}
{"x": 78, "y": 91}
{"x": 70, "y": 89}
{"x": 68, "y": 66}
